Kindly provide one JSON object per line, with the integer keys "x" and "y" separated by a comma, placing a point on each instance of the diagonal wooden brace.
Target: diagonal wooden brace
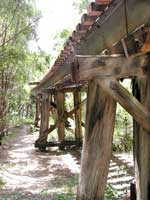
{"x": 63, "y": 118}
{"x": 127, "y": 101}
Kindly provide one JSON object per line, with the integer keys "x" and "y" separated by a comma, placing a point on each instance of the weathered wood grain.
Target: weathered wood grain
{"x": 97, "y": 147}
{"x": 111, "y": 26}
{"x": 139, "y": 112}
{"x": 78, "y": 117}
{"x": 60, "y": 99}
{"x": 115, "y": 66}
{"x": 37, "y": 111}
{"x": 44, "y": 125}
{"x": 141, "y": 89}
{"x": 61, "y": 119}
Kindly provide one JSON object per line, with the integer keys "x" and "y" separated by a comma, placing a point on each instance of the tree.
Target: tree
{"x": 60, "y": 38}
{"x": 81, "y": 5}
{"x": 18, "y": 21}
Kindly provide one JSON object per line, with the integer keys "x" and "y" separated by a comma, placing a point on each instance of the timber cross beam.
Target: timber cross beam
{"x": 53, "y": 127}
{"x": 108, "y": 70}
{"x": 110, "y": 66}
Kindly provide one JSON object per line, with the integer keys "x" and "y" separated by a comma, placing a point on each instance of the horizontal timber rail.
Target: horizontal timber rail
{"x": 117, "y": 66}
{"x": 59, "y": 144}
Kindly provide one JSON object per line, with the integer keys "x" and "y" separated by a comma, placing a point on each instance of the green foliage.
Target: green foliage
{"x": 123, "y": 137}
{"x": 60, "y": 39}
{"x": 2, "y": 183}
{"x": 111, "y": 193}
{"x": 81, "y": 5}
{"x": 18, "y": 66}
{"x": 123, "y": 131}
{"x": 63, "y": 197}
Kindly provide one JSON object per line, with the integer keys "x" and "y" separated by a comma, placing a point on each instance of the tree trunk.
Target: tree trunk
{"x": 97, "y": 148}
{"x": 141, "y": 89}
{"x": 78, "y": 116}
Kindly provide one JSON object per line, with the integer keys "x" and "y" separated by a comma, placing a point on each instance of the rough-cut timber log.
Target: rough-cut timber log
{"x": 100, "y": 37}
{"x": 97, "y": 147}
{"x": 44, "y": 115}
{"x": 127, "y": 101}
{"x": 60, "y": 98}
{"x": 141, "y": 89}
{"x": 78, "y": 117}
{"x": 115, "y": 66}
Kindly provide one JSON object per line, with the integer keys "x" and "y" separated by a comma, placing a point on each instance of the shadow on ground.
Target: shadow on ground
{"x": 28, "y": 173}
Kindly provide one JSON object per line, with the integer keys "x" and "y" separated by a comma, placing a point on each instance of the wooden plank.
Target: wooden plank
{"x": 97, "y": 146}
{"x": 100, "y": 37}
{"x": 141, "y": 89}
{"x": 127, "y": 101}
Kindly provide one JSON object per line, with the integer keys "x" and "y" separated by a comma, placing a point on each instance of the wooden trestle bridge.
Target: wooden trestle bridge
{"x": 111, "y": 43}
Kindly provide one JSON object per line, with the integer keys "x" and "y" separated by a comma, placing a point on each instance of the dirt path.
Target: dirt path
{"x": 30, "y": 174}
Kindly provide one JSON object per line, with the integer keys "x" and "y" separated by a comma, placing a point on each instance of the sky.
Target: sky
{"x": 56, "y": 15}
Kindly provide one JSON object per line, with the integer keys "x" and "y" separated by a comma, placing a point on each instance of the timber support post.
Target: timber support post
{"x": 97, "y": 148}
{"x": 141, "y": 88}
{"x": 60, "y": 99}
{"x": 78, "y": 116}
{"x": 37, "y": 111}
{"x": 44, "y": 125}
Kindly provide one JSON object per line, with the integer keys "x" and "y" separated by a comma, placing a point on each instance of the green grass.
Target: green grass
{"x": 2, "y": 183}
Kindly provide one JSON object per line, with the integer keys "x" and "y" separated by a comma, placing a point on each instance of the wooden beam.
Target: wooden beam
{"x": 37, "y": 111}
{"x": 88, "y": 20}
{"x": 62, "y": 118}
{"x": 141, "y": 90}
{"x": 115, "y": 66}
{"x": 44, "y": 125}
{"x": 97, "y": 146}
{"x": 55, "y": 106}
{"x": 100, "y": 37}
{"x": 90, "y": 66}
{"x": 60, "y": 101}
{"x": 78, "y": 115}
{"x": 127, "y": 101}
{"x": 60, "y": 144}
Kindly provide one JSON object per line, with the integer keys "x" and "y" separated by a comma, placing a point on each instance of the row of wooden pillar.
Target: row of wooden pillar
{"x": 43, "y": 108}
